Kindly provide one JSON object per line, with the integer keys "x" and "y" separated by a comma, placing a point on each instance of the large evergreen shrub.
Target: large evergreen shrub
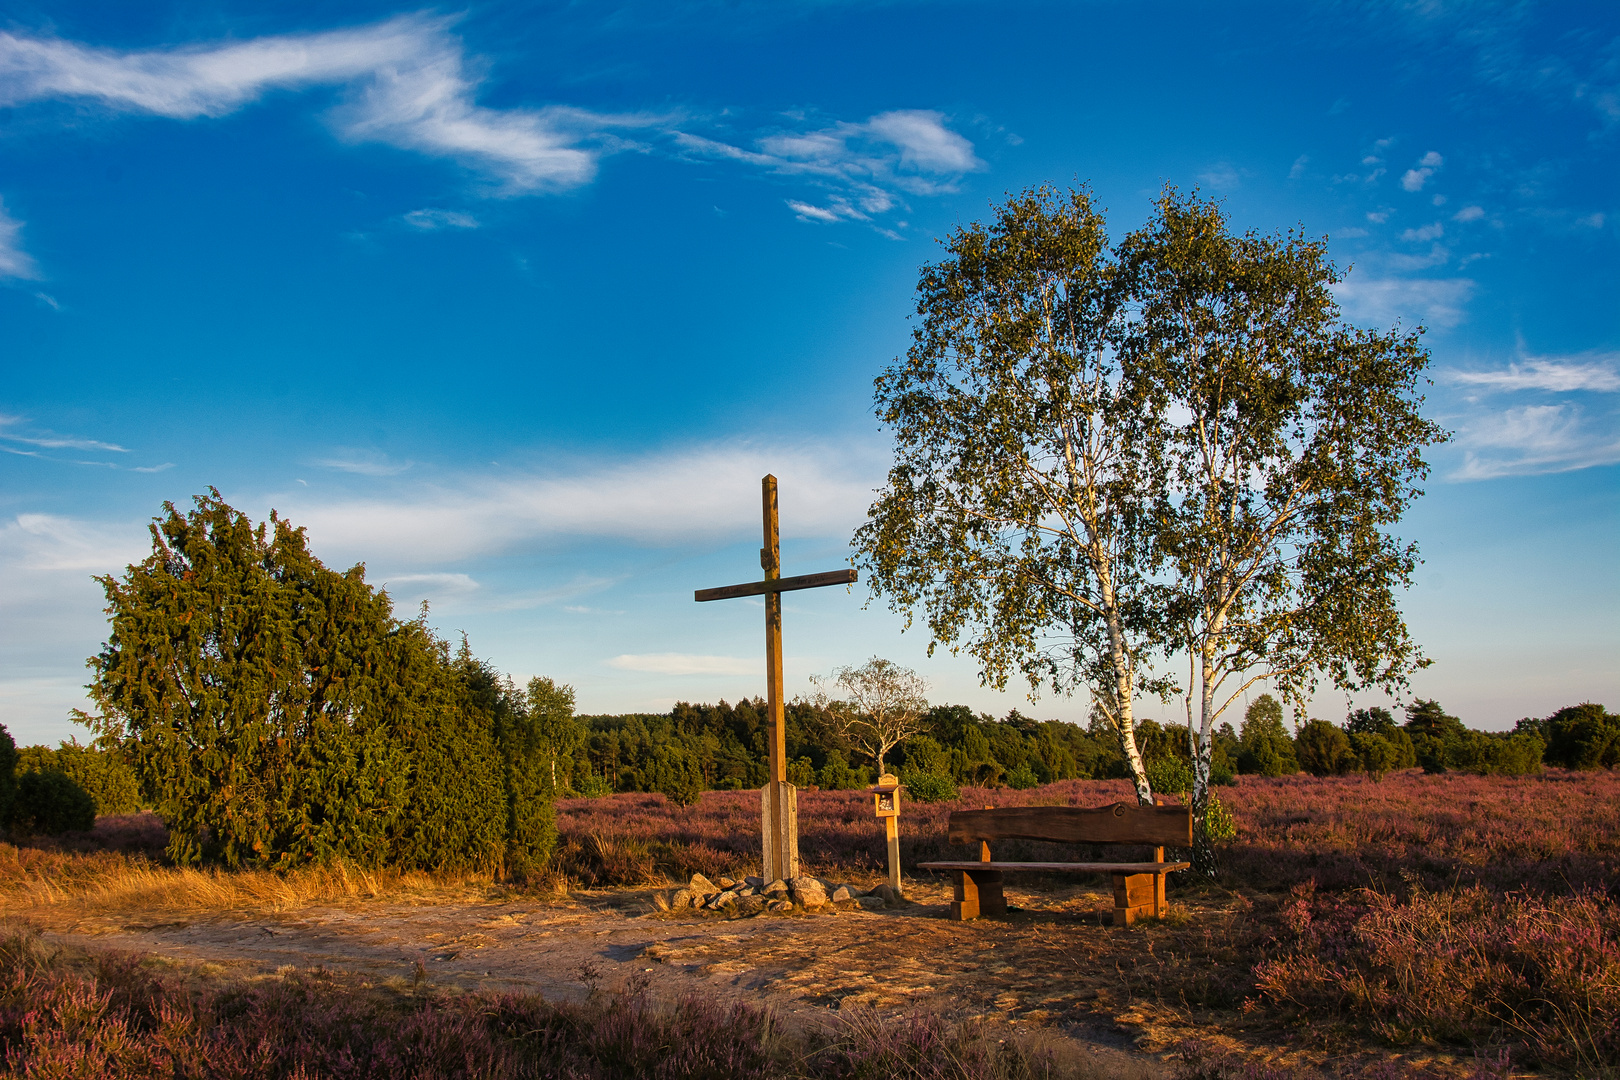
{"x": 277, "y": 714}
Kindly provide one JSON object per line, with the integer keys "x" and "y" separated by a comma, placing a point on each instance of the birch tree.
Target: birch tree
{"x": 1288, "y": 446}
{"x": 1012, "y": 515}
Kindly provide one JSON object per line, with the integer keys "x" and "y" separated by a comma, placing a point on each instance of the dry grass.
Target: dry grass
{"x": 33, "y": 880}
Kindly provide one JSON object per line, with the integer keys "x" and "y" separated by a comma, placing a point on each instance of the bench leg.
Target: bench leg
{"x": 1136, "y": 896}
{"x": 978, "y": 892}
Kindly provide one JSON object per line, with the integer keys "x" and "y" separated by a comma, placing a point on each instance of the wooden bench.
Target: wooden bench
{"x": 1138, "y": 887}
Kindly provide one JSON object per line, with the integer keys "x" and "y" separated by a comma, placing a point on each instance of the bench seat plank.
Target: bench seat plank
{"x": 1085, "y": 867}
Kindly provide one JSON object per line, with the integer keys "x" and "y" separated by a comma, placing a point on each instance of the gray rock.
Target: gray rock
{"x": 722, "y": 900}
{"x": 842, "y": 893}
{"x": 750, "y": 905}
{"x": 887, "y": 893}
{"x": 757, "y": 882}
{"x": 702, "y": 886}
{"x": 777, "y": 886}
{"x": 779, "y": 906}
{"x": 870, "y": 903}
{"x": 726, "y": 883}
{"x": 808, "y": 892}
{"x": 680, "y": 899}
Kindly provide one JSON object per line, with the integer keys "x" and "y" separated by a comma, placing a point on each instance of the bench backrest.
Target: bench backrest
{"x": 1121, "y": 823}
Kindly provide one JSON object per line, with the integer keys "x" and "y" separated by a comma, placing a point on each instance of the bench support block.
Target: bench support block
{"x": 978, "y": 892}
{"x": 1137, "y": 896}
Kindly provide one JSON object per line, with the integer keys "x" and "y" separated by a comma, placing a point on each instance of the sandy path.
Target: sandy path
{"x": 1053, "y": 967}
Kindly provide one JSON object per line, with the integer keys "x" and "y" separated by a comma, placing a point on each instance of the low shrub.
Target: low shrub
{"x": 1469, "y": 966}
{"x": 50, "y": 803}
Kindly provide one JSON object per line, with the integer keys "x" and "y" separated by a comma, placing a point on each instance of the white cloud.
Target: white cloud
{"x": 413, "y": 584}
{"x": 1222, "y": 177}
{"x": 907, "y": 150}
{"x": 14, "y": 261}
{"x": 1349, "y": 234}
{"x": 1297, "y": 170}
{"x": 47, "y": 542}
{"x": 689, "y": 495}
{"x": 405, "y": 79}
{"x": 362, "y": 463}
{"x": 1377, "y": 217}
{"x": 1469, "y": 213}
{"x": 1427, "y": 166}
{"x": 1436, "y": 301}
{"x": 1591, "y": 221}
{"x": 49, "y": 441}
{"x": 684, "y": 664}
{"x": 430, "y": 219}
{"x": 1426, "y": 233}
{"x": 1533, "y": 440}
{"x": 1600, "y": 373}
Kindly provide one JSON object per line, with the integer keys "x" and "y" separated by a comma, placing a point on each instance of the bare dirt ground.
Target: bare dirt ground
{"x": 1051, "y": 967}
{"x": 1054, "y": 969}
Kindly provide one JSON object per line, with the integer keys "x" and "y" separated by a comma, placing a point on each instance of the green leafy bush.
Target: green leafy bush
{"x": 1325, "y": 750}
{"x": 928, "y": 787}
{"x": 1585, "y": 736}
{"x": 837, "y": 775}
{"x": 1218, "y": 822}
{"x": 1022, "y": 778}
{"x": 50, "y": 803}
{"x": 103, "y": 772}
{"x": 1264, "y": 746}
{"x": 1170, "y": 775}
{"x": 801, "y": 772}
{"x": 675, "y": 775}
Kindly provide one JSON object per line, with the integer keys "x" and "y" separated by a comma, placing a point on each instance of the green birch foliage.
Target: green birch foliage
{"x": 1010, "y": 517}
{"x": 277, "y": 713}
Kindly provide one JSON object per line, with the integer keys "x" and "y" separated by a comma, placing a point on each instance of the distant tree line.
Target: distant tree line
{"x": 694, "y": 748}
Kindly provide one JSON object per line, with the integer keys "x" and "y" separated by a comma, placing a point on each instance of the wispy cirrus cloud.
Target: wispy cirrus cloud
{"x": 362, "y": 462}
{"x": 1597, "y": 372}
{"x": 1535, "y": 439}
{"x": 1434, "y": 301}
{"x": 684, "y": 664}
{"x": 692, "y": 494}
{"x": 430, "y": 219}
{"x": 407, "y": 84}
{"x": 46, "y": 440}
{"x": 14, "y": 261}
{"x": 910, "y": 151}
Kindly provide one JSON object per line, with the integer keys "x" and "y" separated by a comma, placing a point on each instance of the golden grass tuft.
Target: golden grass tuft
{"x": 107, "y": 881}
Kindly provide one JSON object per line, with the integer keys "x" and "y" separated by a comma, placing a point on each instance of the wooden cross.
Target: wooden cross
{"x": 778, "y": 802}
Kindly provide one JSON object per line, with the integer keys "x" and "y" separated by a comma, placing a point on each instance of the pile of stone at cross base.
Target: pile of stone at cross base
{"x": 754, "y": 896}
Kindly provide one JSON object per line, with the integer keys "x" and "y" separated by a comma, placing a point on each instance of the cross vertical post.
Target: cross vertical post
{"x": 778, "y": 802}
{"x": 779, "y": 819}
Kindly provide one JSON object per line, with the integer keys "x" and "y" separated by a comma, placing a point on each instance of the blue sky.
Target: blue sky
{"x": 516, "y": 303}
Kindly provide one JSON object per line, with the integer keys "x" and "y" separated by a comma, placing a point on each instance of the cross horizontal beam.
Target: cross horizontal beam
{"x": 777, "y": 585}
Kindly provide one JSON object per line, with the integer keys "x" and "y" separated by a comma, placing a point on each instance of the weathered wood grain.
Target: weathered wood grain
{"x": 777, "y": 585}
{"x": 1059, "y": 867}
{"x": 1121, "y": 823}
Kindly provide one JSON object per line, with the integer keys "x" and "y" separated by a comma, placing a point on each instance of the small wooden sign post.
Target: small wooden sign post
{"x": 778, "y": 801}
{"x": 886, "y": 801}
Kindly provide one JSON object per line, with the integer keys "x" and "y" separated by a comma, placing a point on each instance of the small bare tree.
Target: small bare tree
{"x": 876, "y": 706}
